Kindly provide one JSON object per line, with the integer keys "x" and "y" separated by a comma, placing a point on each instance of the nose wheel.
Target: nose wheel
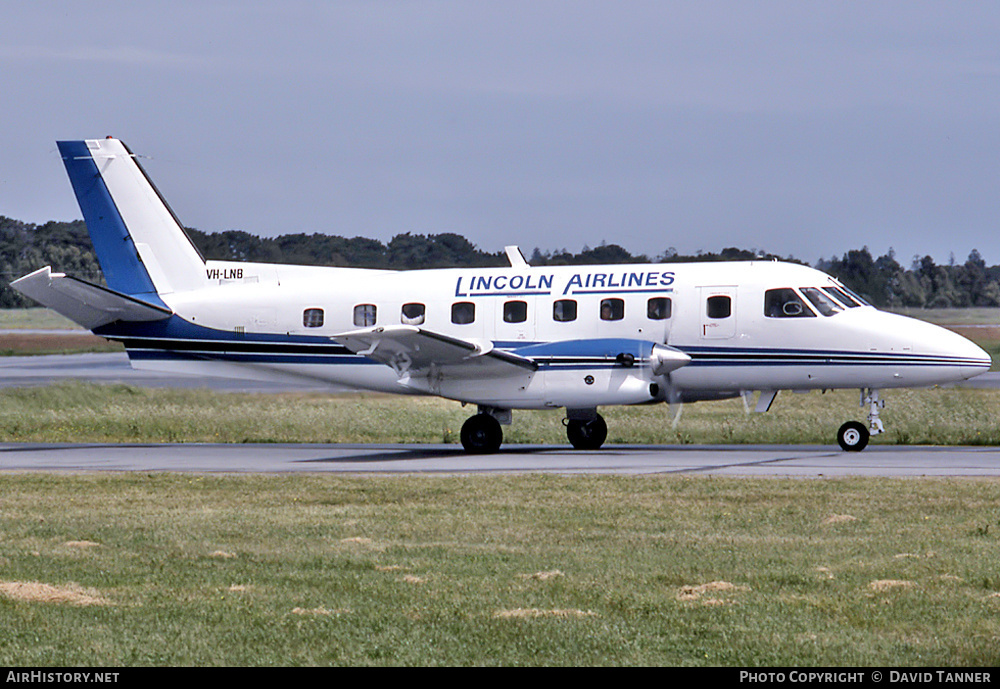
{"x": 853, "y": 436}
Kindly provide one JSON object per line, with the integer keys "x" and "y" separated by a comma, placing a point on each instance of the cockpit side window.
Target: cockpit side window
{"x": 824, "y": 304}
{"x": 785, "y": 303}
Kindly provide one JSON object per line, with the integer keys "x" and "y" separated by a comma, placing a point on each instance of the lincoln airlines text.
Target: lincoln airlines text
{"x": 579, "y": 283}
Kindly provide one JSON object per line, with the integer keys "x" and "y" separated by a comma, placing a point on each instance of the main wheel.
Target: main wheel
{"x": 587, "y": 435}
{"x": 853, "y": 436}
{"x": 481, "y": 434}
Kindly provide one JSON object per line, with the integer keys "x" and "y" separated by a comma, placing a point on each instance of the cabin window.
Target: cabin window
{"x": 841, "y": 296}
{"x": 824, "y": 304}
{"x": 515, "y": 312}
{"x": 312, "y": 318}
{"x": 412, "y": 314}
{"x": 364, "y": 314}
{"x": 463, "y": 312}
{"x": 564, "y": 310}
{"x": 612, "y": 309}
{"x": 785, "y": 303}
{"x": 720, "y": 306}
{"x": 658, "y": 308}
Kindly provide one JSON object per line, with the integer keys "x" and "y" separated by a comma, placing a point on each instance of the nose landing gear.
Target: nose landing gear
{"x": 853, "y": 436}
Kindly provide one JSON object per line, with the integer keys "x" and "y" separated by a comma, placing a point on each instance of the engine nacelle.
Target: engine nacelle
{"x": 577, "y": 374}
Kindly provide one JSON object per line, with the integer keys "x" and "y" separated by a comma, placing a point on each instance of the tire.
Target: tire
{"x": 587, "y": 435}
{"x": 853, "y": 436}
{"x": 481, "y": 435}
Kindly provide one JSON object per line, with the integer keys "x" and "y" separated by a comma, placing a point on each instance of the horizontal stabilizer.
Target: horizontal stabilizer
{"x": 83, "y": 302}
{"x": 413, "y": 351}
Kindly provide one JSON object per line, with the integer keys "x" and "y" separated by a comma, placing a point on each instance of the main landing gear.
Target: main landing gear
{"x": 481, "y": 434}
{"x": 587, "y": 434}
{"x": 853, "y": 436}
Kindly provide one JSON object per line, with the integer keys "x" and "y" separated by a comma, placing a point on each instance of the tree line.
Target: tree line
{"x": 66, "y": 246}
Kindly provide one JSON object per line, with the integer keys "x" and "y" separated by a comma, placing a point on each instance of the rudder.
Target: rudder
{"x": 142, "y": 248}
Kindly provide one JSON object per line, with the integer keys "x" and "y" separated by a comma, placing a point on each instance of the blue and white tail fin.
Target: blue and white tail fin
{"x": 142, "y": 248}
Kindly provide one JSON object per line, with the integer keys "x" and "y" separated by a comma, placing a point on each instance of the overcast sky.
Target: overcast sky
{"x": 799, "y": 128}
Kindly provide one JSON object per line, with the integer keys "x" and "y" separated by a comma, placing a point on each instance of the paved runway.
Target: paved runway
{"x": 760, "y": 461}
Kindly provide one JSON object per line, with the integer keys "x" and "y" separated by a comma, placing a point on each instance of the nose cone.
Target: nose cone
{"x": 947, "y": 356}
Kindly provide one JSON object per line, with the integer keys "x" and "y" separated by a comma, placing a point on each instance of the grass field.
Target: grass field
{"x": 85, "y": 412}
{"x": 125, "y": 570}
{"x": 25, "y": 332}
{"x": 206, "y": 570}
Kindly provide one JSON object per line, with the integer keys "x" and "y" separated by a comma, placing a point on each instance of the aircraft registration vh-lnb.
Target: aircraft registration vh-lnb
{"x": 518, "y": 337}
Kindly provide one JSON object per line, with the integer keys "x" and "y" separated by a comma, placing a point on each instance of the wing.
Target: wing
{"x": 414, "y": 352}
{"x": 85, "y": 303}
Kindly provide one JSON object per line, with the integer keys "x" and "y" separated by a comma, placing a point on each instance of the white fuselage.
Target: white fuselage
{"x": 716, "y": 315}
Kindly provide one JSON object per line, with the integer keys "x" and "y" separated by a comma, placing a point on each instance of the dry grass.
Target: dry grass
{"x": 37, "y": 592}
{"x": 25, "y": 344}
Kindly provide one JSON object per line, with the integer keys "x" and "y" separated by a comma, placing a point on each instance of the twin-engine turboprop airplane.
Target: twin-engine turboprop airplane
{"x": 518, "y": 337}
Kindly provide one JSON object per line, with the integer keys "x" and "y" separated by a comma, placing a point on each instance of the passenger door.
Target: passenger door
{"x": 718, "y": 312}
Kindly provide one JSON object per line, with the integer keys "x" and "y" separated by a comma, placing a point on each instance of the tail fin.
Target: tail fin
{"x": 142, "y": 248}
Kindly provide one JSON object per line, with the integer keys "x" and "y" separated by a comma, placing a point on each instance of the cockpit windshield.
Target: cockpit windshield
{"x": 845, "y": 296}
{"x": 841, "y": 296}
{"x": 824, "y": 304}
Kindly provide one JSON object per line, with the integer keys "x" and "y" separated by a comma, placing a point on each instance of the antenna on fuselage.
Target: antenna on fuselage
{"x": 515, "y": 257}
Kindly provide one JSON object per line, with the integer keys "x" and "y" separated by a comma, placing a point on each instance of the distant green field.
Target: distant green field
{"x": 39, "y": 318}
{"x": 971, "y": 316}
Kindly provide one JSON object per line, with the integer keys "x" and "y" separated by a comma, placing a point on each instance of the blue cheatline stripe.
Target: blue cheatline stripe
{"x": 278, "y": 353}
{"x": 115, "y": 249}
{"x": 737, "y": 353}
{"x": 251, "y": 358}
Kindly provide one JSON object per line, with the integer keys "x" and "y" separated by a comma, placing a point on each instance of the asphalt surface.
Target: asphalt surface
{"x": 760, "y": 461}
